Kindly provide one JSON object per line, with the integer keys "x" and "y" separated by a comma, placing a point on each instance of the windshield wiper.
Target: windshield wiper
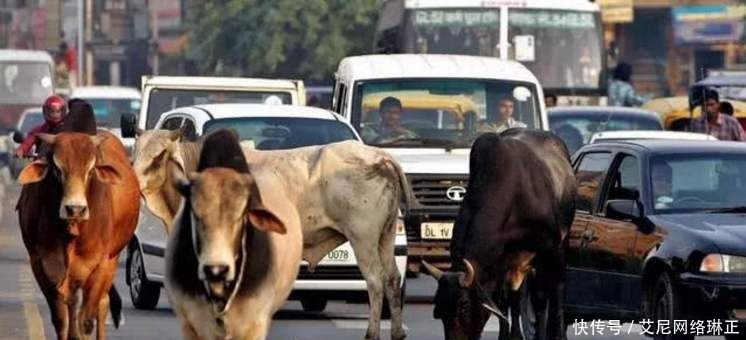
{"x": 741, "y": 209}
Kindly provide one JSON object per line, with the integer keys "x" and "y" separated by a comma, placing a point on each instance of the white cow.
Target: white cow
{"x": 345, "y": 191}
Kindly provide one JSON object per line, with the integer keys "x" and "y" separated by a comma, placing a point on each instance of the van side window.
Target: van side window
{"x": 173, "y": 123}
{"x": 190, "y": 131}
{"x": 590, "y": 175}
{"x": 340, "y": 102}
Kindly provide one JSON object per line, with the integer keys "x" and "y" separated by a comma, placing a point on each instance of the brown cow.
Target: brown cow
{"x": 78, "y": 209}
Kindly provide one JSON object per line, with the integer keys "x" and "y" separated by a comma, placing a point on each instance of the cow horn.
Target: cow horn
{"x": 467, "y": 279}
{"x": 432, "y": 270}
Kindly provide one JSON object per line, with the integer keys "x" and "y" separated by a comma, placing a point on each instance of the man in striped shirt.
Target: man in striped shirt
{"x": 712, "y": 122}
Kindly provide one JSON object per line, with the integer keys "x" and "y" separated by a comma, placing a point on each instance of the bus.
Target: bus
{"x": 561, "y": 42}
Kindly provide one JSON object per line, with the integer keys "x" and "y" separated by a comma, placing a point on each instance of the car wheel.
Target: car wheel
{"x": 311, "y": 304}
{"x": 666, "y": 304}
{"x": 144, "y": 293}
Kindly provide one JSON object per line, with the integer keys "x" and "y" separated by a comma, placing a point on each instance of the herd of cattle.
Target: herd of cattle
{"x": 240, "y": 221}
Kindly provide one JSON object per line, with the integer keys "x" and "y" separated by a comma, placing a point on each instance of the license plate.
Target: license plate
{"x": 436, "y": 231}
{"x": 337, "y": 256}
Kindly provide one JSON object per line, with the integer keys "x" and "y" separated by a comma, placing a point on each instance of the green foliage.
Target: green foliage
{"x": 279, "y": 38}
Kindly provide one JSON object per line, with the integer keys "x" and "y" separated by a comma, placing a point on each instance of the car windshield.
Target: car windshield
{"x": 576, "y": 130}
{"x": 31, "y": 120}
{"x": 109, "y": 111}
{"x": 283, "y": 133}
{"x": 693, "y": 183}
{"x": 25, "y": 82}
{"x": 162, "y": 100}
{"x": 441, "y": 112}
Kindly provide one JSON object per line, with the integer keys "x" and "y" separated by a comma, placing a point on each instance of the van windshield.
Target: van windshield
{"x": 164, "y": 100}
{"x": 25, "y": 82}
{"x": 441, "y": 112}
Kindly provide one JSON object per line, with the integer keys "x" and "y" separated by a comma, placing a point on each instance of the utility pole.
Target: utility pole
{"x": 81, "y": 50}
{"x": 88, "y": 39}
{"x": 155, "y": 33}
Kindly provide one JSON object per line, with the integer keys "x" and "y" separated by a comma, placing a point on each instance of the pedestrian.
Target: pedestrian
{"x": 712, "y": 122}
{"x": 621, "y": 92}
{"x": 726, "y": 108}
{"x": 550, "y": 99}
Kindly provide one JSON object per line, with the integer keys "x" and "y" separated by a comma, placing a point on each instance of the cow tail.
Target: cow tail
{"x": 405, "y": 191}
{"x": 115, "y": 306}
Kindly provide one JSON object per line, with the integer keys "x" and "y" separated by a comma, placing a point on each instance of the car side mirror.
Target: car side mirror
{"x": 128, "y": 122}
{"x": 623, "y": 210}
{"x": 18, "y": 136}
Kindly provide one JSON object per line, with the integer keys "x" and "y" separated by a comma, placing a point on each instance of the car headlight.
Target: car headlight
{"x": 720, "y": 263}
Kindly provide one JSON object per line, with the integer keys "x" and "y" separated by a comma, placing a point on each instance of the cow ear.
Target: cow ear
{"x": 34, "y": 172}
{"x": 108, "y": 174}
{"x": 264, "y": 215}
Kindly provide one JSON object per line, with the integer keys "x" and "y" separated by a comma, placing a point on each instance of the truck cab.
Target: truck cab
{"x": 441, "y": 103}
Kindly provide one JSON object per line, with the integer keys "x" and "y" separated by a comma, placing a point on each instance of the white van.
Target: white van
{"x": 446, "y": 101}
{"x": 164, "y": 93}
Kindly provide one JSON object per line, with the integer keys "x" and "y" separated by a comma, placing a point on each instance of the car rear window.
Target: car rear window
{"x": 283, "y": 133}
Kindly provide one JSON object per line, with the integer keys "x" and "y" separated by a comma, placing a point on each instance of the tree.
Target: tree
{"x": 279, "y": 38}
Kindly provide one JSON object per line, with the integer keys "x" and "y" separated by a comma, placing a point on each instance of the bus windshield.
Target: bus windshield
{"x": 563, "y": 48}
{"x": 24, "y": 82}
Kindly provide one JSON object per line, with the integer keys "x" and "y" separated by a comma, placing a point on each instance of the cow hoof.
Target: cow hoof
{"x": 88, "y": 326}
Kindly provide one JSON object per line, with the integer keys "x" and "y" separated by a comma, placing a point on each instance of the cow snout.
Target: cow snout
{"x": 75, "y": 211}
{"x": 216, "y": 273}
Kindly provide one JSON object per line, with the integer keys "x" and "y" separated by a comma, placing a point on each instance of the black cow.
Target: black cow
{"x": 512, "y": 225}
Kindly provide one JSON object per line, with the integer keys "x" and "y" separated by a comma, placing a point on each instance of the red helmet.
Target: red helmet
{"x": 55, "y": 102}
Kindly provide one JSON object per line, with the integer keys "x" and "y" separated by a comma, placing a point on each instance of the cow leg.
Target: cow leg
{"x": 555, "y": 281}
{"x": 550, "y": 288}
{"x": 103, "y": 309}
{"x": 514, "y": 301}
{"x": 392, "y": 289}
{"x": 188, "y": 332}
{"x": 94, "y": 291}
{"x": 371, "y": 267}
{"x": 59, "y": 313}
{"x": 72, "y": 310}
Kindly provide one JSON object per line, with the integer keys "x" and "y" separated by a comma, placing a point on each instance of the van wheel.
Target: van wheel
{"x": 311, "y": 304}
{"x": 666, "y": 304}
{"x": 144, "y": 293}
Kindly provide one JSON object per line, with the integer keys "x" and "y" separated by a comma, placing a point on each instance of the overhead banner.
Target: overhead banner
{"x": 708, "y": 24}
{"x": 617, "y": 11}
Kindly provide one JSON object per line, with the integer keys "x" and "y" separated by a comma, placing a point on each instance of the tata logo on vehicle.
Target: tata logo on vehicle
{"x": 456, "y": 193}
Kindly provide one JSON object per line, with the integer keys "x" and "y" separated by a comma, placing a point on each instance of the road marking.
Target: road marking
{"x": 361, "y": 324}
{"x": 34, "y": 323}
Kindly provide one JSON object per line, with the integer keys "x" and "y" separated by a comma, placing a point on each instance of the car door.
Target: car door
{"x": 609, "y": 243}
{"x": 590, "y": 170}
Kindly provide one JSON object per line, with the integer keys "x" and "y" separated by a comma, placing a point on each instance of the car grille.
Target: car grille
{"x": 430, "y": 191}
{"x": 330, "y": 273}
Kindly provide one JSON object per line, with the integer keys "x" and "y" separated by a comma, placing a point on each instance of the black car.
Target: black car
{"x": 577, "y": 124}
{"x": 660, "y": 232}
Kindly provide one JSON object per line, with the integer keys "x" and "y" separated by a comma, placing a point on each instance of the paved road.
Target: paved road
{"x": 24, "y": 314}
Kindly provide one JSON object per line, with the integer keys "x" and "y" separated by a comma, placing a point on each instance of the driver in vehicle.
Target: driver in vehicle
{"x": 662, "y": 176}
{"x": 390, "y": 128}
{"x": 504, "y": 116}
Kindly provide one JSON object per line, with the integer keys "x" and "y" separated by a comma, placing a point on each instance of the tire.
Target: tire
{"x": 666, "y": 304}
{"x": 311, "y": 304}
{"x": 385, "y": 311}
{"x": 144, "y": 293}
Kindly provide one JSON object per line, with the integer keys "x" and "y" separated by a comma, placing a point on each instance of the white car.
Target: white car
{"x": 640, "y": 134}
{"x": 264, "y": 127}
{"x": 109, "y": 103}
